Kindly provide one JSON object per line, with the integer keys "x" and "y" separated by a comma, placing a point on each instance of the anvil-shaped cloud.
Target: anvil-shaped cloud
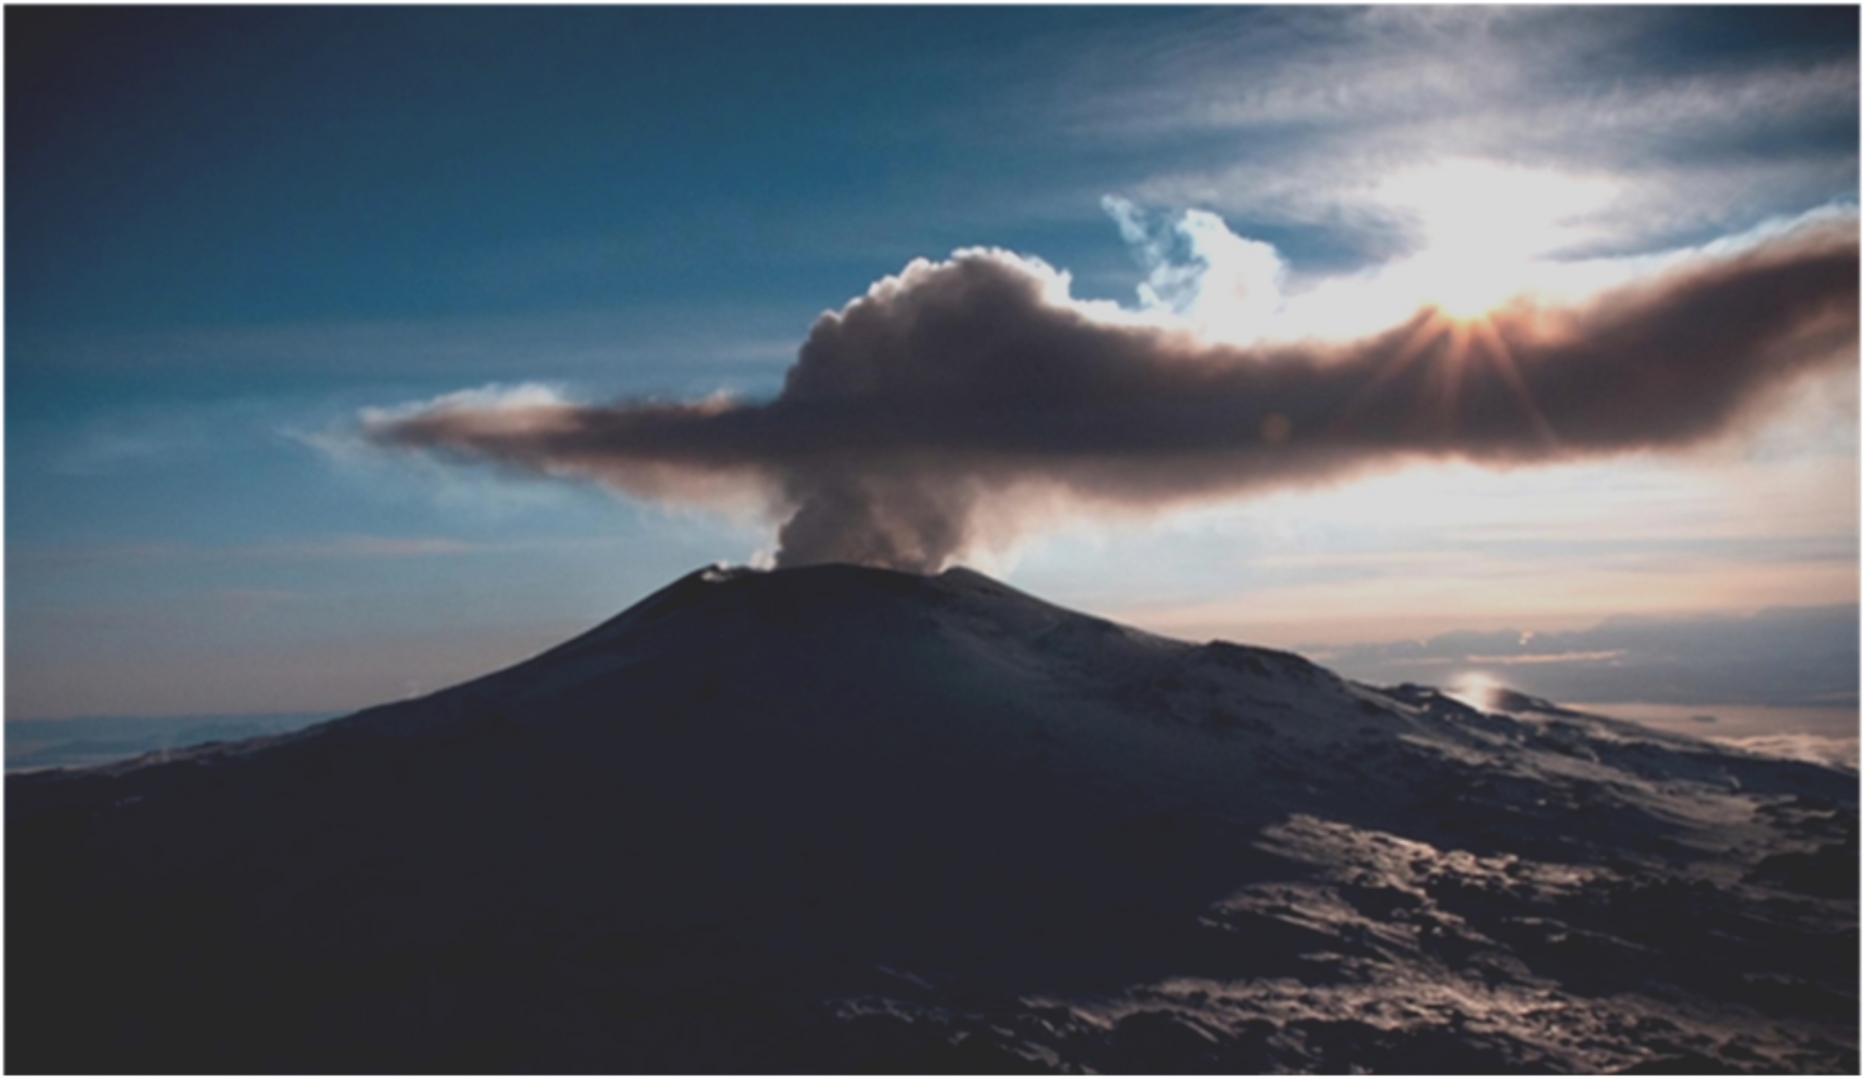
{"x": 972, "y": 394}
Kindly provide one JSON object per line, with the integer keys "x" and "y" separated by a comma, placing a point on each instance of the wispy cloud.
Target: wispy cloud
{"x": 105, "y": 452}
{"x": 717, "y": 345}
{"x": 116, "y": 441}
{"x": 318, "y": 550}
{"x": 1295, "y": 117}
{"x": 1573, "y": 656}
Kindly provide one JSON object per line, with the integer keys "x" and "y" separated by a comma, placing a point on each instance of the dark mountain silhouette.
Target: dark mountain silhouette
{"x": 834, "y": 819}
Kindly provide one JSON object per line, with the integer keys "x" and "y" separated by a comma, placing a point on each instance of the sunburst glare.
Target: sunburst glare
{"x": 1485, "y": 228}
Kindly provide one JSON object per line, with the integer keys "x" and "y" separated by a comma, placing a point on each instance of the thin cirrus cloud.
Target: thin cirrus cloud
{"x": 634, "y": 343}
{"x": 961, "y": 401}
{"x": 331, "y": 548}
{"x": 1294, "y": 120}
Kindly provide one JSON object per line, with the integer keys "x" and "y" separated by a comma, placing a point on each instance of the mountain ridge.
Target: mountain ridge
{"x": 842, "y": 819}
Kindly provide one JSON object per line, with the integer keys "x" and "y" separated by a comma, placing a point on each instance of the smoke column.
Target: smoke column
{"x": 951, "y": 394}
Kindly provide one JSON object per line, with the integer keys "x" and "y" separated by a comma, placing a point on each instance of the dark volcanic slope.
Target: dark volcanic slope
{"x": 834, "y": 819}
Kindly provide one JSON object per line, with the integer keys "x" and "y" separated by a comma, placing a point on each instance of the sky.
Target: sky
{"x": 291, "y": 294}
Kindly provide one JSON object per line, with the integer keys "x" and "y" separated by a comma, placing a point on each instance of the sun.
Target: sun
{"x": 1465, "y": 285}
{"x": 1451, "y": 345}
{"x": 1485, "y": 233}
{"x": 1484, "y": 228}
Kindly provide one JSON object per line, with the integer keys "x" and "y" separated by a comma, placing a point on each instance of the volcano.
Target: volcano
{"x": 835, "y": 819}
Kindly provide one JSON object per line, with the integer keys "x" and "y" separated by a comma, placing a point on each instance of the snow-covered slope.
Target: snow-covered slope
{"x": 839, "y": 819}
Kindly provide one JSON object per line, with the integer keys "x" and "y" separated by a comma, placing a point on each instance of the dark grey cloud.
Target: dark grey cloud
{"x": 957, "y": 395}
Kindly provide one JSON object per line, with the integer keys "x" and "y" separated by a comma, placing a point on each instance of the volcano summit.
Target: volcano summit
{"x": 835, "y": 819}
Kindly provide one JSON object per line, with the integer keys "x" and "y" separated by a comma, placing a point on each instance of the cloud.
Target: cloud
{"x": 742, "y": 343}
{"x": 1572, "y": 657}
{"x": 959, "y": 400}
{"x": 1227, "y": 286}
{"x": 336, "y": 547}
{"x": 494, "y": 397}
{"x": 1703, "y": 121}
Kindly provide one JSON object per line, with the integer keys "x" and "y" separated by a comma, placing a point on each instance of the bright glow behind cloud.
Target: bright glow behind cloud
{"x": 1486, "y": 227}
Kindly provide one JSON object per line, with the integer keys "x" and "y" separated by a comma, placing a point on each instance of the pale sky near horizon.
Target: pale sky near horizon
{"x": 230, "y": 231}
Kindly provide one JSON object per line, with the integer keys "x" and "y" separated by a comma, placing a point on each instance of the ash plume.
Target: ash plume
{"x": 968, "y": 395}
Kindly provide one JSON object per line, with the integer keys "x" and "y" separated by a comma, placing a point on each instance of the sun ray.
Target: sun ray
{"x": 1431, "y": 327}
{"x": 1504, "y": 362}
{"x": 1451, "y": 376}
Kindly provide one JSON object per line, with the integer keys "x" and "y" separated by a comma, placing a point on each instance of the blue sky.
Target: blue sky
{"x": 231, "y": 230}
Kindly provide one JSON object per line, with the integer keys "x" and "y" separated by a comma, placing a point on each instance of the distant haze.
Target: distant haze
{"x": 1783, "y": 657}
{"x": 78, "y": 742}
